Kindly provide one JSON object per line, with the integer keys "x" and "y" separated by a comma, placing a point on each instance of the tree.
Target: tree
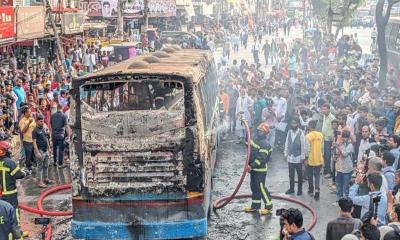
{"x": 338, "y": 11}
{"x": 382, "y": 19}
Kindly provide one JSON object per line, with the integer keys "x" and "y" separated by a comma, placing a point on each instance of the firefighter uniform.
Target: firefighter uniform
{"x": 10, "y": 172}
{"x": 9, "y": 228}
{"x": 259, "y": 158}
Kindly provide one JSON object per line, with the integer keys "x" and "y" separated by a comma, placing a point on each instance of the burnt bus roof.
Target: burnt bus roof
{"x": 173, "y": 61}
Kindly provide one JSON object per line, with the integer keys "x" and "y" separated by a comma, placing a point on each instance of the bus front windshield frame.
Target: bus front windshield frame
{"x": 133, "y": 95}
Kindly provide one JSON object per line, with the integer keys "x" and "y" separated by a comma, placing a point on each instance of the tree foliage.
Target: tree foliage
{"x": 343, "y": 11}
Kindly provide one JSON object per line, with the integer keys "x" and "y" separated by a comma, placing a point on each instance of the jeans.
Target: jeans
{"x": 342, "y": 184}
{"x": 327, "y": 156}
{"x": 29, "y": 155}
{"x": 313, "y": 173}
{"x": 58, "y": 147}
{"x": 298, "y": 167}
{"x": 43, "y": 166}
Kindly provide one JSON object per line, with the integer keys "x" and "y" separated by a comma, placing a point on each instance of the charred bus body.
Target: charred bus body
{"x": 145, "y": 147}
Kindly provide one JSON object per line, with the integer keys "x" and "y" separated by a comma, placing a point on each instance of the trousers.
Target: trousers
{"x": 298, "y": 167}
{"x": 259, "y": 190}
{"x": 313, "y": 173}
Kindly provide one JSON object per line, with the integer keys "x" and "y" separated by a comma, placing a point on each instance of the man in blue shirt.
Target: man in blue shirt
{"x": 388, "y": 169}
{"x": 292, "y": 228}
{"x": 20, "y": 92}
{"x": 374, "y": 181}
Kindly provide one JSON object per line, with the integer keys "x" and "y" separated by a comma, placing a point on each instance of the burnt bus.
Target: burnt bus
{"x": 144, "y": 149}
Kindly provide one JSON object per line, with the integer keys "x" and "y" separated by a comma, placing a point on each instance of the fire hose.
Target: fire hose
{"x": 42, "y": 212}
{"x": 222, "y": 202}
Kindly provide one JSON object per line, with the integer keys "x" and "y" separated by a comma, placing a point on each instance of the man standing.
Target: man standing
{"x": 59, "y": 132}
{"x": 258, "y": 166}
{"x": 327, "y": 132}
{"x": 244, "y": 106}
{"x": 314, "y": 162}
{"x": 256, "y": 50}
{"x": 20, "y": 93}
{"x": 295, "y": 154}
{"x": 344, "y": 224}
{"x": 365, "y": 143}
{"x": 41, "y": 145}
{"x": 266, "y": 49}
{"x": 27, "y": 125}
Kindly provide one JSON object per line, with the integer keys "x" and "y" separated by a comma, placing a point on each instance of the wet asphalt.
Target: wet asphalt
{"x": 232, "y": 222}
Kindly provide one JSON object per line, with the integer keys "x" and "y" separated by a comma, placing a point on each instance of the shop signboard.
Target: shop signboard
{"x": 6, "y": 24}
{"x": 5, "y": 3}
{"x": 135, "y": 8}
{"x": 72, "y": 23}
{"x": 92, "y": 8}
{"x": 31, "y": 22}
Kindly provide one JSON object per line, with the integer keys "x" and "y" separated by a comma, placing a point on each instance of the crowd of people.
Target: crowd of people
{"x": 330, "y": 119}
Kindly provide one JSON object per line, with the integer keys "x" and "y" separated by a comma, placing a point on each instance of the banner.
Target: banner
{"x": 135, "y": 8}
{"x": 6, "y": 24}
{"x": 30, "y": 23}
{"x": 73, "y": 22}
{"x": 92, "y": 8}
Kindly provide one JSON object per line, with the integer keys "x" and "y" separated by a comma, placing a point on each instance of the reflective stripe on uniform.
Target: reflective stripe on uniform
{"x": 256, "y": 201}
{"x": 253, "y": 144}
{"x": 261, "y": 169}
{"x": 266, "y": 151}
{"x": 14, "y": 171}
{"x": 257, "y": 162}
{"x": 265, "y": 196}
{"x": 17, "y": 215}
{"x": 9, "y": 192}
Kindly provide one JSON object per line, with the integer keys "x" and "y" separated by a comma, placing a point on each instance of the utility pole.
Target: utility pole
{"x": 60, "y": 50}
{"x": 146, "y": 15}
{"x": 330, "y": 18}
{"x": 120, "y": 24}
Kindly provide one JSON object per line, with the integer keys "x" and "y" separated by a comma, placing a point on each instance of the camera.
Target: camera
{"x": 373, "y": 209}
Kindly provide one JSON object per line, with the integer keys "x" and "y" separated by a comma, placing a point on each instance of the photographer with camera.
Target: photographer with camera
{"x": 394, "y": 146}
{"x": 374, "y": 204}
{"x": 292, "y": 220}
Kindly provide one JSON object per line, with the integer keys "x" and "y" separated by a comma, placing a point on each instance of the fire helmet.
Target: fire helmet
{"x": 264, "y": 127}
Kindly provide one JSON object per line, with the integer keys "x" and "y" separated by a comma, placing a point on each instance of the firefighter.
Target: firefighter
{"x": 10, "y": 172}
{"x": 259, "y": 157}
{"x": 9, "y": 228}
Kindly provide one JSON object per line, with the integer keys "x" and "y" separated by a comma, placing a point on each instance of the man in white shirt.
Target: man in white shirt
{"x": 280, "y": 104}
{"x": 365, "y": 143}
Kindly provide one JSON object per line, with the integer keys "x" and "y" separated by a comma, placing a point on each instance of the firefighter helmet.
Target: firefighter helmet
{"x": 264, "y": 127}
{"x": 4, "y": 148}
